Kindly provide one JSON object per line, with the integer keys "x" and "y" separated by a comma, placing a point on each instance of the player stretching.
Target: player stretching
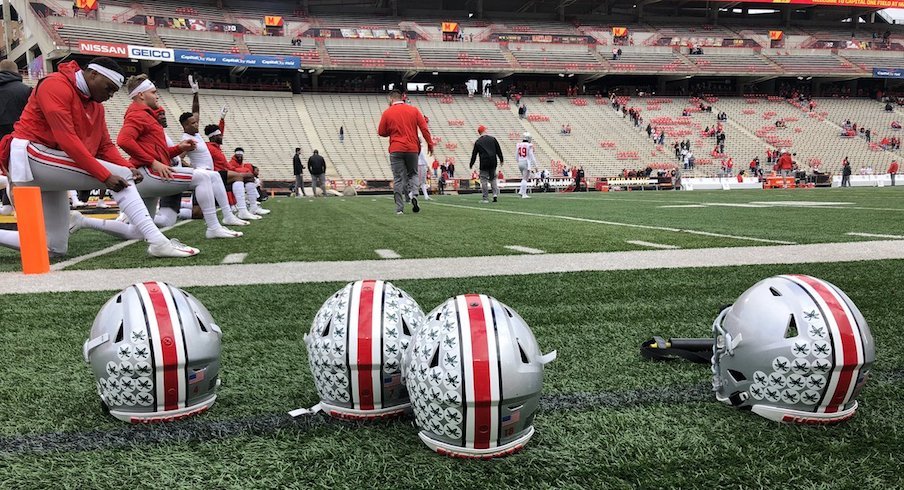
{"x": 61, "y": 142}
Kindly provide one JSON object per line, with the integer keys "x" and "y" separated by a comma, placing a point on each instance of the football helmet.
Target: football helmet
{"x": 474, "y": 372}
{"x": 792, "y": 348}
{"x": 355, "y": 349}
{"x": 526, "y": 136}
{"x": 154, "y": 351}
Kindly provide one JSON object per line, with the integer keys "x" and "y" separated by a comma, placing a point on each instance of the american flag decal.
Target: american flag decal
{"x": 390, "y": 380}
{"x": 196, "y": 376}
{"x": 511, "y": 418}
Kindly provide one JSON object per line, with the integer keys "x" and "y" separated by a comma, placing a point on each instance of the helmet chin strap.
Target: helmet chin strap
{"x": 694, "y": 350}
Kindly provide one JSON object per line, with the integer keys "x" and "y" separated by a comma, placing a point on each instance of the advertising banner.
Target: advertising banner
{"x": 888, "y": 73}
{"x": 117, "y": 50}
{"x": 229, "y": 59}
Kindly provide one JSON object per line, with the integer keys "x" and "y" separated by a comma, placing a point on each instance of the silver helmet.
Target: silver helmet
{"x": 355, "y": 349}
{"x": 155, "y": 353}
{"x": 792, "y": 348}
{"x": 474, "y": 372}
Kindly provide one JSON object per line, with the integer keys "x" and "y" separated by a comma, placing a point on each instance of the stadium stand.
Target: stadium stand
{"x": 464, "y": 56}
{"x": 810, "y": 61}
{"x": 732, "y": 60}
{"x": 371, "y": 53}
{"x": 193, "y": 40}
{"x": 649, "y": 60}
{"x": 71, "y": 30}
{"x": 554, "y": 57}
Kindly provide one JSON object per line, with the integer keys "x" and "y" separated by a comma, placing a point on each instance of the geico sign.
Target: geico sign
{"x": 148, "y": 53}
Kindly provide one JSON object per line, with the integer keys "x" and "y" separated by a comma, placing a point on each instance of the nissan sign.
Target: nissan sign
{"x": 114, "y": 50}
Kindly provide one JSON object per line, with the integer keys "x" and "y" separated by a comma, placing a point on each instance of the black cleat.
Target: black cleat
{"x": 414, "y": 206}
{"x": 494, "y": 198}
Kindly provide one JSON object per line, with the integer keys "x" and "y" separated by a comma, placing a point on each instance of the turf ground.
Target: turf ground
{"x": 608, "y": 418}
{"x": 459, "y": 226}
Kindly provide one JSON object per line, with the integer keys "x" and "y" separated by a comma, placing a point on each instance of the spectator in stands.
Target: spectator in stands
{"x": 895, "y": 125}
{"x": 893, "y": 171}
{"x": 845, "y": 172}
{"x": 400, "y": 123}
{"x": 13, "y": 97}
{"x": 442, "y": 182}
{"x": 298, "y": 171}
{"x": 614, "y": 53}
{"x": 317, "y": 168}
{"x": 451, "y": 168}
{"x": 868, "y": 135}
{"x": 487, "y": 147}
{"x": 435, "y": 168}
{"x": 341, "y": 134}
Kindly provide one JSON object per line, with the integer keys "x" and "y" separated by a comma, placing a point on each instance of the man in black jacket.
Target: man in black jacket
{"x": 488, "y": 148}
{"x": 298, "y": 171}
{"x": 13, "y": 97}
{"x": 317, "y": 167}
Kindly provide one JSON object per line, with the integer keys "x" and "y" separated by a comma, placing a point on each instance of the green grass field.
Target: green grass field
{"x": 459, "y": 226}
{"x": 608, "y": 419}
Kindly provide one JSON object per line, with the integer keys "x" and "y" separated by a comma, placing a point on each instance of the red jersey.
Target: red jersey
{"x": 219, "y": 159}
{"x": 235, "y": 166}
{"x": 142, "y": 137}
{"x": 400, "y": 123}
{"x": 59, "y": 116}
{"x": 893, "y": 168}
{"x": 785, "y": 163}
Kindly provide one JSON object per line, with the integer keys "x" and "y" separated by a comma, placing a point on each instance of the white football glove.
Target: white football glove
{"x": 193, "y": 84}
{"x": 223, "y": 112}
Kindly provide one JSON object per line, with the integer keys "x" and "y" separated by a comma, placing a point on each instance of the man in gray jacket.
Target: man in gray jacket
{"x": 317, "y": 167}
{"x": 13, "y": 97}
{"x": 488, "y": 149}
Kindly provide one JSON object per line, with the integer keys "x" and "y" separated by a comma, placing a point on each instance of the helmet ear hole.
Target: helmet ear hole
{"x": 201, "y": 324}
{"x": 120, "y": 333}
{"x": 737, "y": 375}
{"x": 791, "y": 331}
{"x": 523, "y": 354}
{"x": 509, "y": 313}
{"x": 774, "y": 292}
{"x": 326, "y": 329}
{"x": 119, "y": 299}
{"x": 405, "y": 329}
{"x": 434, "y": 361}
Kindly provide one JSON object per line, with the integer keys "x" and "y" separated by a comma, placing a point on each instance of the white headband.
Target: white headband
{"x": 240, "y": 153}
{"x": 215, "y": 133}
{"x": 112, "y": 75}
{"x": 144, "y": 86}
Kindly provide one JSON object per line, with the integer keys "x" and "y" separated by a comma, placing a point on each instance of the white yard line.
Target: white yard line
{"x": 527, "y": 250}
{"x": 682, "y": 206}
{"x": 385, "y": 253}
{"x": 615, "y": 223}
{"x": 653, "y": 245}
{"x": 81, "y": 258}
{"x": 234, "y": 258}
{"x": 873, "y": 235}
{"x": 343, "y": 271}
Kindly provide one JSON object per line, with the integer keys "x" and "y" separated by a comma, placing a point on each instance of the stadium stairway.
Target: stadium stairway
{"x": 307, "y": 125}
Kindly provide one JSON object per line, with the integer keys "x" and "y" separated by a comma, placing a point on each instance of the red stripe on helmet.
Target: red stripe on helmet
{"x": 480, "y": 365}
{"x": 365, "y": 346}
{"x": 166, "y": 334}
{"x": 851, "y": 359}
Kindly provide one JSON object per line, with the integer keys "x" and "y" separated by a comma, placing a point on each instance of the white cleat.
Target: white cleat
{"x": 223, "y": 232}
{"x": 101, "y": 204}
{"x": 246, "y": 215}
{"x": 77, "y": 204}
{"x": 233, "y": 220}
{"x": 261, "y": 211}
{"x": 76, "y": 221}
{"x": 173, "y": 248}
{"x": 123, "y": 218}
{"x": 6, "y": 210}
{"x": 428, "y": 198}
{"x": 525, "y": 196}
